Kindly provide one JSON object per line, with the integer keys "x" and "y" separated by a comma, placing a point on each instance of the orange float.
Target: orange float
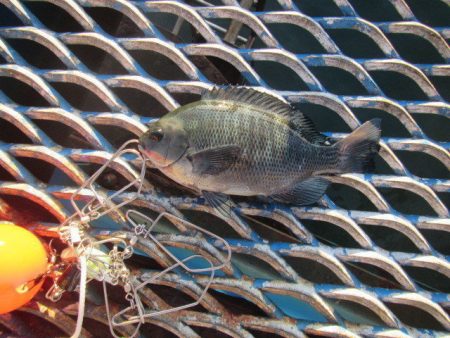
{"x": 23, "y": 261}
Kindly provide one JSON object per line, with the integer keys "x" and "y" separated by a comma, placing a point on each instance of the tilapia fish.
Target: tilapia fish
{"x": 239, "y": 141}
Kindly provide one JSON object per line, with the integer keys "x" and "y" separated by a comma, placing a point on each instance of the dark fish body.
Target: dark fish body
{"x": 239, "y": 141}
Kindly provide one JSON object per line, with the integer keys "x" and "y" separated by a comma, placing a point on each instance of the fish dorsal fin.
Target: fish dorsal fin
{"x": 270, "y": 105}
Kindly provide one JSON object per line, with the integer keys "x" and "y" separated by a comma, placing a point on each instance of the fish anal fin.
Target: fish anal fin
{"x": 213, "y": 161}
{"x": 304, "y": 193}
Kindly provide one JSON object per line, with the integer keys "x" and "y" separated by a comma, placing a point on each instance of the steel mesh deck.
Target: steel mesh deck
{"x": 377, "y": 245}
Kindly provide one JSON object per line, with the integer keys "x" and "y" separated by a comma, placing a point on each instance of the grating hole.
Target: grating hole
{"x": 40, "y": 330}
{"x": 383, "y": 11}
{"x": 175, "y": 297}
{"x": 415, "y": 48}
{"x": 158, "y": 65}
{"x": 54, "y": 17}
{"x": 114, "y": 22}
{"x": 255, "y": 267}
{"x": 109, "y": 179}
{"x": 318, "y": 7}
{"x": 355, "y": 312}
{"x": 355, "y": 43}
{"x": 349, "y": 198}
{"x": 236, "y": 304}
{"x": 398, "y": 86}
{"x": 63, "y": 135}
{"x": 151, "y": 330}
{"x": 167, "y": 185}
{"x": 138, "y": 261}
{"x": 415, "y": 317}
{"x": 429, "y": 122}
{"x": 270, "y": 229}
{"x": 80, "y": 97}
{"x": 430, "y": 12}
{"x": 8, "y": 18}
{"x": 338, "y": 81}
{"x": 390, "y": 125}
{"x": 92, "y": 325}
{"x": 97, "y": 59}
{"x": 26, "y": 211}
{"x": 207, "y": 332}
{"x": 373, "y": 276}
{"x": 140, "y": 102}
{"x": 217, "y": 70}
{"x": 6, "y": 176}
{"x": 185, "y": 98}
{"x": 115, "y": 135}
{"x": 286, "y": 78}
{"x": 262, "y": 334}
{"x": 36, "y": 54}
{"x": 2, "y": 59}
{"x": 296, "y": 39}
{"x": 438, "y": 239}
{"x": 11, "y": 134}
{"x": 429, "y": 279}
{"x": 442, "y": 84}
{"x": 165, "y": 22}
{"x": 21, "y": 93}
{"x": 330, "y": 234}
{"x": 211, "y": 223}
{"x": 381, "y": 166}
{"x": 407, "y": 202}
{"x": 312, "y": 271}
{"x": 389, "y": 239}
{"x": 323, "y": 117}
{"x": 415, "y": 160}
{"x": 45, "y": 171}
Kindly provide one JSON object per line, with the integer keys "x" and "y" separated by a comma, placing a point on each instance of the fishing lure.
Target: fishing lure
{"x": 88, "y": 258}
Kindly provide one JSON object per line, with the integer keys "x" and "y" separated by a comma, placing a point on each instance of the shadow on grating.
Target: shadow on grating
{"x": 25, "y": 211}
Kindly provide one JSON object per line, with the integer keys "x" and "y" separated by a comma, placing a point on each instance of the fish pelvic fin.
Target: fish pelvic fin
{"x": 357, "y": 150}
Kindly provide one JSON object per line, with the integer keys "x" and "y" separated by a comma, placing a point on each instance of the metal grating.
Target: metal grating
{"x": 371, "y": 259}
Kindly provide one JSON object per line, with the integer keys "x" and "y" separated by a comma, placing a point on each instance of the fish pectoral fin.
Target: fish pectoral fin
{"x": 220, "y": 202}
{"x": 305, "y": 192}
{"x": 213, "y": 161}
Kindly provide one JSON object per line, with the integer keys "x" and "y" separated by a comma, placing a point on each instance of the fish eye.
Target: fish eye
{"x": 156, "y": 135}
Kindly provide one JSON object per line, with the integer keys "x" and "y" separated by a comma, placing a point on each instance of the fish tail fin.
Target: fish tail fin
{"x": 357, "y": 150}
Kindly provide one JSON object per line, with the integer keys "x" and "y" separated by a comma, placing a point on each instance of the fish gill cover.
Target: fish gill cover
{"x": 79, "y": 78}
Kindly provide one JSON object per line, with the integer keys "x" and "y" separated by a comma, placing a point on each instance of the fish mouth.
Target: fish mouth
{"x": 153, "y": 157}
